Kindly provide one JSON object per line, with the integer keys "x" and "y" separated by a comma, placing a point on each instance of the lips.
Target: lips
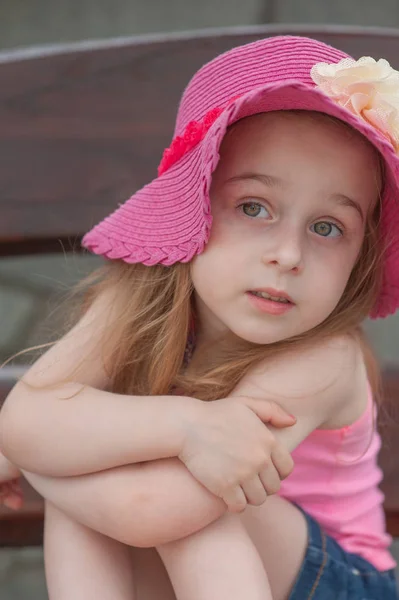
{"x": 262, "y": 302}
{"x": 273, "y": 295}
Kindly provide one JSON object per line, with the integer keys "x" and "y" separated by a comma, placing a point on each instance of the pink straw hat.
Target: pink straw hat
{"x": 169, "y": 220}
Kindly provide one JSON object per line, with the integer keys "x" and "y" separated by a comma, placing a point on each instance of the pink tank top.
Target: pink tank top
{"x": 336, "y": 482}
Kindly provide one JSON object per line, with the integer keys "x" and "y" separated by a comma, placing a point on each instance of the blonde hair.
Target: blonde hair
{"x": 154, "y": 308}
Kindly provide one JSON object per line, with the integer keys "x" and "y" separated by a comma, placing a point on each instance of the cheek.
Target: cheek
{"x": 205, "y": 275}
{"x": 328, "y": 276}
{"x": 338, "y": 261}
{"x": 214, "y": 272}
{"x": 347, "y": 262}
{"x": 221, "y": 252}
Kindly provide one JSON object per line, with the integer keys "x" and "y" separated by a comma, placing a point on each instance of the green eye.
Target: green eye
{"x": 254, "y": 209}
{"x": 326, "y": 229}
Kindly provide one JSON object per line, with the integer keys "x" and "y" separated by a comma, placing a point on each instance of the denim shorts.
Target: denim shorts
{"x": 330, "y": 573}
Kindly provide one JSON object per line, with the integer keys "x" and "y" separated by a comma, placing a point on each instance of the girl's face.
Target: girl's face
{"x": 290, "y": 197}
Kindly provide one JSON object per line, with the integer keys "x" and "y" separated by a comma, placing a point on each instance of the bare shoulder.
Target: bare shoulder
{"x": 78, "y": 355}
{"x": 327, "y": 377}
{"x": 308, "y": 369}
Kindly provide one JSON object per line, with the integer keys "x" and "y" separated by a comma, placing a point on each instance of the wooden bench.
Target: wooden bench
{"x": 84, "y": 125}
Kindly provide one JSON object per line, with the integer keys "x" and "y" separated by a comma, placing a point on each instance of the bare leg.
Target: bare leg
{"x": 277, "y": 528}
{"x": 83, "y": 564}
{"x": 279, "y": 532}
{"x": 220, "y": 561}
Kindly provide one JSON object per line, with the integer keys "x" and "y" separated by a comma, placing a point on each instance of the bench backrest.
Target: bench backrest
{"x": 84, "y": 125}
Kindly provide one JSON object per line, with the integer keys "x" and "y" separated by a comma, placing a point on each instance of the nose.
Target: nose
{"x": 285, "y": 252}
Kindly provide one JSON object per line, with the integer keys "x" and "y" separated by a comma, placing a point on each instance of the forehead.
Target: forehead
{"x": 313, "y": 142}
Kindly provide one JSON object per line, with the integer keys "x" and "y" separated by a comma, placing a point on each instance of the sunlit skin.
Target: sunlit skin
{"x": 289, "y": 205}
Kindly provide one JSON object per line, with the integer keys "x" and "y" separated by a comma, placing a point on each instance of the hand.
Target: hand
{"x": 229, "y": 450}
{"x": 10, "y": 489}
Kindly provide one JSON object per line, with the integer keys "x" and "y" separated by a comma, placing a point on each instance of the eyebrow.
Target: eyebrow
{"x": 276, "y": 182}
{"x": 269, "y": 180}
{"x": 345, "y": 201}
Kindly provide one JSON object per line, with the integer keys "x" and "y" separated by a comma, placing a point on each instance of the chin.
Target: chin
{"x": 261, "y": 338}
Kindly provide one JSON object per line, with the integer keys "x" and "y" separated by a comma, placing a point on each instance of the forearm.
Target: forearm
{"x": 140, "y": 505}
{"x": 54, "y": 432}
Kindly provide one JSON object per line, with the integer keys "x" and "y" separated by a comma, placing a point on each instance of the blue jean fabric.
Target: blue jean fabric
{"x": 330, "y": 573}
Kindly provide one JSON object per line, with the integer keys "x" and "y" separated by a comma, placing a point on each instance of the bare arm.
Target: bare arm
{"x": 158, "y": 502}
{"x": 66, "y": 429}
{"x": 140, "y": 505}
{"x": 94, "y": 431}
{"x": 324, "y": 386}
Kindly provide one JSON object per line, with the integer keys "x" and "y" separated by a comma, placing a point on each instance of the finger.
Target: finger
{"x": 235, "y": 499}
{"x": 4, "y": 490}
{"x": 282, "y": 460}
{"x": 15, "y": 486}
{"x": 13, "y": 501}
{"x": 10, "y": 487}
{"x": 270, "y": 479}
{"x": 254, "y": 491}
{"x": 269, "y": 411}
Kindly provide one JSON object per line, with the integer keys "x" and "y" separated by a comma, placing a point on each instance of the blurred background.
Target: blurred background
{"x": 30, "y": 288}
{"x": 26, "y": 22}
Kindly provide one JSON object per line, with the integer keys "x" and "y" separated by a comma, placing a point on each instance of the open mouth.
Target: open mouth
{"x": 272, "y": 294}
{"x": 268, "y": 296}
{"x": 271, "y": 302}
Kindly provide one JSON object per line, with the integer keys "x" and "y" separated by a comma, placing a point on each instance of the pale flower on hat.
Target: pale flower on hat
{"x": 366, "y": 87}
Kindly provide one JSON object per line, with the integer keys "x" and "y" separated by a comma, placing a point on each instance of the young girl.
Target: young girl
{"x": 240, "y": 275}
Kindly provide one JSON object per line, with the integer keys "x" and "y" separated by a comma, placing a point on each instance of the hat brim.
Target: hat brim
{"x": 169, "y": 220}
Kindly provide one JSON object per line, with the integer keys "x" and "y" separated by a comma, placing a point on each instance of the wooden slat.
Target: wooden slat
{"x": 24, "y": 527}
{"x": 83, "y": 126}
{"x": 389, "y": 454}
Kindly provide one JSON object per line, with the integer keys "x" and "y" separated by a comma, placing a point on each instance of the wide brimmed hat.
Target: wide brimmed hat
{"x": 169, "y": 220}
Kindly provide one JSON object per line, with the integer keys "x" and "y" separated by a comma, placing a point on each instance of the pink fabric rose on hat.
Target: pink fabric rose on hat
{"x": 366, "y": 87}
